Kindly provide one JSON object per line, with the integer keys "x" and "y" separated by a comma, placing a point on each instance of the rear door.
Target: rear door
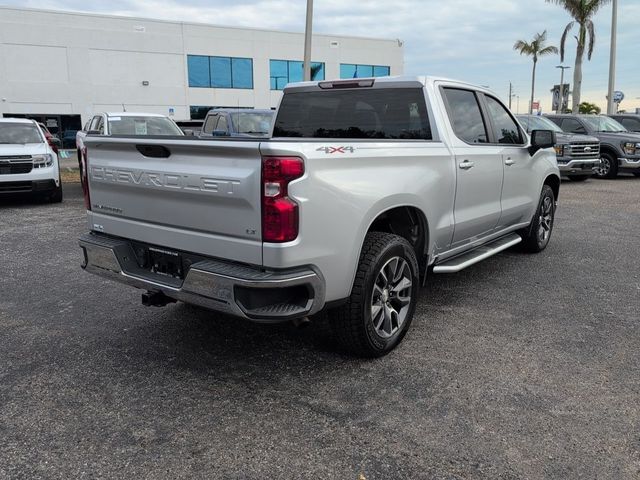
{"x": 194, "y": 195}
{"x": 478, "y": 166}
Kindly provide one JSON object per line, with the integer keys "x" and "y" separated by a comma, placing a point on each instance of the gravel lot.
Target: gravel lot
{"x": 523, "y": 366}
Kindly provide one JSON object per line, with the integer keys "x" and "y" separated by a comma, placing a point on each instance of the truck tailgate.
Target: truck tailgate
{"x": 189, "y": 194}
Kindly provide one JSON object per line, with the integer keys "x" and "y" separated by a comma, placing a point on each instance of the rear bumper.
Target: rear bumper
{"x": 231, "y": 288}
{"x": 579, "y": 166}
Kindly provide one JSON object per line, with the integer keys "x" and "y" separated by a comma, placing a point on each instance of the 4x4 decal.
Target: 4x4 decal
{"x": 335, "y": 149}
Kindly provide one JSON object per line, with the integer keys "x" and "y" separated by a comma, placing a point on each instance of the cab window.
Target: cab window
{"x": 572, "y": 125}
{"x": 465, "y": 115}
{"x": 222, "y": 124}
{"x": 506, "y": 128}
{"x": 209, "y": 124}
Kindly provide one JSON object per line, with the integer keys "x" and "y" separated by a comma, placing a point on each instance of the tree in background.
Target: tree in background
{"x": 582, "y": 12}
{"x": 536, "y": 48}
{"x": 589, "y": 108}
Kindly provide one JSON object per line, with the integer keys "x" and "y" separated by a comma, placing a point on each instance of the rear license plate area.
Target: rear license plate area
{"x": 165, "y": 262}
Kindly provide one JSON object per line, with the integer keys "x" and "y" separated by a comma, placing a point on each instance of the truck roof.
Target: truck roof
{"x": 389, "y": 81}
{"x": 133, "y": 114}
{"x": 16, "y": 120}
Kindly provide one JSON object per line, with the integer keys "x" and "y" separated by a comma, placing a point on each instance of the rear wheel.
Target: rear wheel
{"x": 536, "y": 237}
{"x": 578, "y": 178}
{"x": 383, "y": 298}
{"x": 608, "y": 167}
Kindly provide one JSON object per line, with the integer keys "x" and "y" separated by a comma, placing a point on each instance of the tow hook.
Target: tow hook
{"x": 156, "y": 299}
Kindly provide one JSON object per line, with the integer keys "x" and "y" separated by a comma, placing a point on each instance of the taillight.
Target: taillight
{"x": 84, "y": 176}
{"x": 53, "y": 146}
{"x": 279, "y": 212}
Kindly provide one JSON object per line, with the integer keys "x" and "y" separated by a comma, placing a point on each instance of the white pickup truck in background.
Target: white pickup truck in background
{"x": 365, "y": 186}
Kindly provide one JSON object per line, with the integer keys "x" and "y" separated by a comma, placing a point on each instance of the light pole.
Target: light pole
{"x": 306, "y": 66}
{"x": 612, "y": 58}
{"x": 517, "y": 103}
{"x": 561, "y": 101}
{"x": 510, "y": 94}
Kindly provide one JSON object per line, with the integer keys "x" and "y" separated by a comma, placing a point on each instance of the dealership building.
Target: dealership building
{"x": 62, "y": 67}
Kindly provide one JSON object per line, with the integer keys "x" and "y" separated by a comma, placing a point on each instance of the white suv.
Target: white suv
{"x": 28, "y": 164}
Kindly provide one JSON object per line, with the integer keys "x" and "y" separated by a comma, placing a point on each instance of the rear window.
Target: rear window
{"x": 132, "y": 125}
{"x": 380, "y": 113}
{"x": 21, "y": 133}
{"x": 252, "y": 123}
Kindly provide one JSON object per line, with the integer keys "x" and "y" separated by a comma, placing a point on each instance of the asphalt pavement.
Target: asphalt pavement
{"x": 520, "y": 367}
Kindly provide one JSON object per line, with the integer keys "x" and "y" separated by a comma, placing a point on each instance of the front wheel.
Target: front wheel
{"x": 608, "y": 167}
{"x": 535, "y": 237}
{"x": 383, "y": 297}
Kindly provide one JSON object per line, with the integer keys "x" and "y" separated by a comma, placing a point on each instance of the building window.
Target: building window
{"x": 351, "y": 70}
{"x": 220, "y": 72}
{"x": 288, "y": 71}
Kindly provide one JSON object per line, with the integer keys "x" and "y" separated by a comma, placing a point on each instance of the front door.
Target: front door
{"x": 479, "y": 169}
{"x": 518, "y": 191}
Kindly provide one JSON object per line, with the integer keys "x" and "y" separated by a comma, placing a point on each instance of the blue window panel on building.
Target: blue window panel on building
{"x": 295, "y": 71}
{"x": 364, "y": 71}
{"x": 282, "y": 72}
{"x": 317, "y": 71}
{"x": 242, "y": 72}
{"x": 349, "y": 70}
{"x": 379, "y": 71}
{"x": 221, "y": 72}
{"x": 279, "y": 74}
{"x": 198, "y": 71}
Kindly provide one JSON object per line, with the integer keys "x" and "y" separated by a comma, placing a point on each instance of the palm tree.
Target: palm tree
{"x": 536, "y": 48}
{"x": 589, "y": 108}
{"x": 582, "y": 12}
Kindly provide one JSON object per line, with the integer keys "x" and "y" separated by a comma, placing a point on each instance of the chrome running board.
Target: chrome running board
{"x": 476, "y": 255}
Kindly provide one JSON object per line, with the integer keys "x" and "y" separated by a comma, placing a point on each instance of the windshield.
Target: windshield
{"x": 538, "y": 123}
{"x": 132, "y": 125}
{"x": 603, "y": 124}
{"x": 249, "y": 122}
{"x": 20, "y": 133}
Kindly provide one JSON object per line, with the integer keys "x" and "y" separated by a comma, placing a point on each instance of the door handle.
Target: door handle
{"x": 509, "y": 162}
{"x": 466, "y": 165}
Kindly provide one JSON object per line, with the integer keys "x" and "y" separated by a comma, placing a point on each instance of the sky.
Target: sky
{"x": 470, "y": 40}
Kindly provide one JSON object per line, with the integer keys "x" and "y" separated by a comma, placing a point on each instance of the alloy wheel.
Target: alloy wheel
{"x": 391, "y": 297}
{"x": 604, "y": 167}
{"x": 545, "y": 220}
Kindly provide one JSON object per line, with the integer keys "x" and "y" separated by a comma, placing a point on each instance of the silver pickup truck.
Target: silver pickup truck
{"x": 364, "y": 187}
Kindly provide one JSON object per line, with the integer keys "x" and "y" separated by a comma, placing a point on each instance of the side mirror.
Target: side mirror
{"x": 541, "y": 139}
{"x": 220, "y": 133}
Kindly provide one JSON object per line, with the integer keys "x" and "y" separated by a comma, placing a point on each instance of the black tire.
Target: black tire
{"x": 637, "y": 174}
{"x": 56, "y": 195}
{"x": 608, "y": 167}
{"x": 353, "y": 323}
{"x": 535, "y": 237}
{"x": 578, "y": 178}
